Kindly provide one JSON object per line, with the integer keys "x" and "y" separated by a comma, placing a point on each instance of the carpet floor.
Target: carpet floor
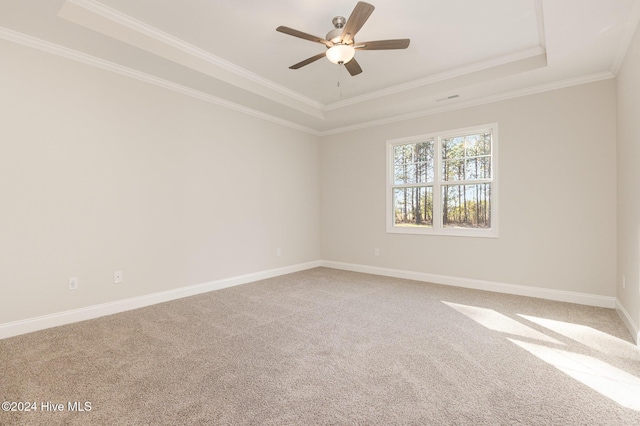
{"x": 329, "y": 347}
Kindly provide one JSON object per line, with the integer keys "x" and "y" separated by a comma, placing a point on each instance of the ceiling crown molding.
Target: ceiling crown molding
{"x": 592, "y": 78}
{"x": 84, "y": 12}
{"x": 69, "y": 11}
{"x": 436, "y": 78}
{"x": 84, "y": 58}
{"x": 317, "y": 108}
{"x": 93, "y": 61}
{"x": 236, "y": 88}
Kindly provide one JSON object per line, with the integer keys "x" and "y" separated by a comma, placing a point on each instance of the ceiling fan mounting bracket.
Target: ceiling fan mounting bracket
{"x": 338, "y": 22}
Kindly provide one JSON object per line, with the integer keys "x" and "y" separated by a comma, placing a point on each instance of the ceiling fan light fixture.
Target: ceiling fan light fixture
{"x": 340, "y": 53}
{"x": 340, "y": 42}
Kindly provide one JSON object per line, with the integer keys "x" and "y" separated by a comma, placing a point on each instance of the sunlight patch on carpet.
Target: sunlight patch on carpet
{"x": 588, "y": 336}
{"x": 499, "y": 322}
{"x": 607, "y": 380}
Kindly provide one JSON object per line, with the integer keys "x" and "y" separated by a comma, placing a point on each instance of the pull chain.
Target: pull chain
{"x": 339, "y": 88}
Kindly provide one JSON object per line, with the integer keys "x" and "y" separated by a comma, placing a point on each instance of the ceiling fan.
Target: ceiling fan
{"x": 340, "y": 42}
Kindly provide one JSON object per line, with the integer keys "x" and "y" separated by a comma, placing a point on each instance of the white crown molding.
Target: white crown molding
{"x": 498, "y": 287}
{"x": 474, "y": 102}
{"x": 447, "y": 75}
{"x": 29, "y": 41}
{"x": 29, "y": 325}
{"x": 154, "y": 33}
{"x": 436, "y": 78}
{"x": 55, "y": 49}
{"x": 129, "y": 22}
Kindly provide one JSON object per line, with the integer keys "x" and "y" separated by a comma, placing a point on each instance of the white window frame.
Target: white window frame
{"x": 438, "y": 183}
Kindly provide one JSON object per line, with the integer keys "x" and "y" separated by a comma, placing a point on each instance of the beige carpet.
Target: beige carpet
{"x": 328, "y": 347}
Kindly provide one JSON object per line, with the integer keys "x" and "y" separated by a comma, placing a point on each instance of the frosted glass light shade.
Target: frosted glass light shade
{"x": 340, "y": 53}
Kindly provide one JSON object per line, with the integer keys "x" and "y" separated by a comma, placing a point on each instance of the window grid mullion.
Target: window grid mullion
{"x": 437, "y": 184}
{"x": 467, "y": 182}
{"x": 411, "y": 185}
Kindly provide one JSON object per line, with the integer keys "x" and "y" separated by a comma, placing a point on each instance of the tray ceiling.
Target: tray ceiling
{"x": 462, "y": 52}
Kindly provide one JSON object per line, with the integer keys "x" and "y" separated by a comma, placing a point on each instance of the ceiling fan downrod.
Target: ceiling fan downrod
{"x": 335, "y": 35}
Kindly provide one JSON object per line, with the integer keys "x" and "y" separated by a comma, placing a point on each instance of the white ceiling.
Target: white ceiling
{"x": 228, "y": 52}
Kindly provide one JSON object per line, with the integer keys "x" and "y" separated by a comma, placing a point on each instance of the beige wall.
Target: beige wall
{"x": 557, "y": 200}
{"x": 99, "y": 172}
{"x": 628, "y": 112}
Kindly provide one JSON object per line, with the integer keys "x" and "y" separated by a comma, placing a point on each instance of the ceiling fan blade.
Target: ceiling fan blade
{"x": 358, "y": 17}
{"x": 383, "y": 44}
{"x": 353, "y": 67}
{"x": 308, "y": 61}
{"x": 305, "y": 36}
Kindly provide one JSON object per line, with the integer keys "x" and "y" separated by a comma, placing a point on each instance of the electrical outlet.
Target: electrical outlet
{"x": 624, "y": 282}
{"x": 73, "y": 283}
{"x": 376, "y": 252}
{"x": 278, "y": 252}
{"x": 117, "y": 276}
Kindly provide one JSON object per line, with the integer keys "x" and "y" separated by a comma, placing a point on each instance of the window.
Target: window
{"x": 444, "y": 183}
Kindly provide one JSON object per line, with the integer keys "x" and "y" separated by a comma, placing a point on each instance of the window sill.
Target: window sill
{"x": 449, "y": 232}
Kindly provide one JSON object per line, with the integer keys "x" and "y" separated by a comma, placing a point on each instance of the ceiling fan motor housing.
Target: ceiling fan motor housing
{"x": 334, "y": 35}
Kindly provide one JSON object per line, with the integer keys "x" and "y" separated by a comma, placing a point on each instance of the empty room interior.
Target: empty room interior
{"x": 335, "y": 212}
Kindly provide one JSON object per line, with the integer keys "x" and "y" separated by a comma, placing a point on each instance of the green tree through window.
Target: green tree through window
{"x": 444, "y": 183}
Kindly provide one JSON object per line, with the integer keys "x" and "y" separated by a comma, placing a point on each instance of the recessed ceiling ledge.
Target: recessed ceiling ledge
{"x": 535, "y": 57}
{"x": 102, "y": 19}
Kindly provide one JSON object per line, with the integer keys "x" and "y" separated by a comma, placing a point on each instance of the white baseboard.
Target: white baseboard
{"x": 67, "y": 317}
{"x": 61, "y": 318}
{"x": 541, "y": 293}
{"x": 629, "y": 322}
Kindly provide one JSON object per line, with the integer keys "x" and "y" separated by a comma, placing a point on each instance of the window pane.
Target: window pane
{"x": 477, "y": 168}
{"x": 484, "y": 167}
{"x": 471, "y": 169}
{"x": 466, "y": 206}
{"x": 453, "y": 170}
{"x": 479, "y": 144}
{"x": 453, "y": 148}
{"x": 466, "y": 157}
{"x": 413, "y": 206}
{"x": 413, "y": 163}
